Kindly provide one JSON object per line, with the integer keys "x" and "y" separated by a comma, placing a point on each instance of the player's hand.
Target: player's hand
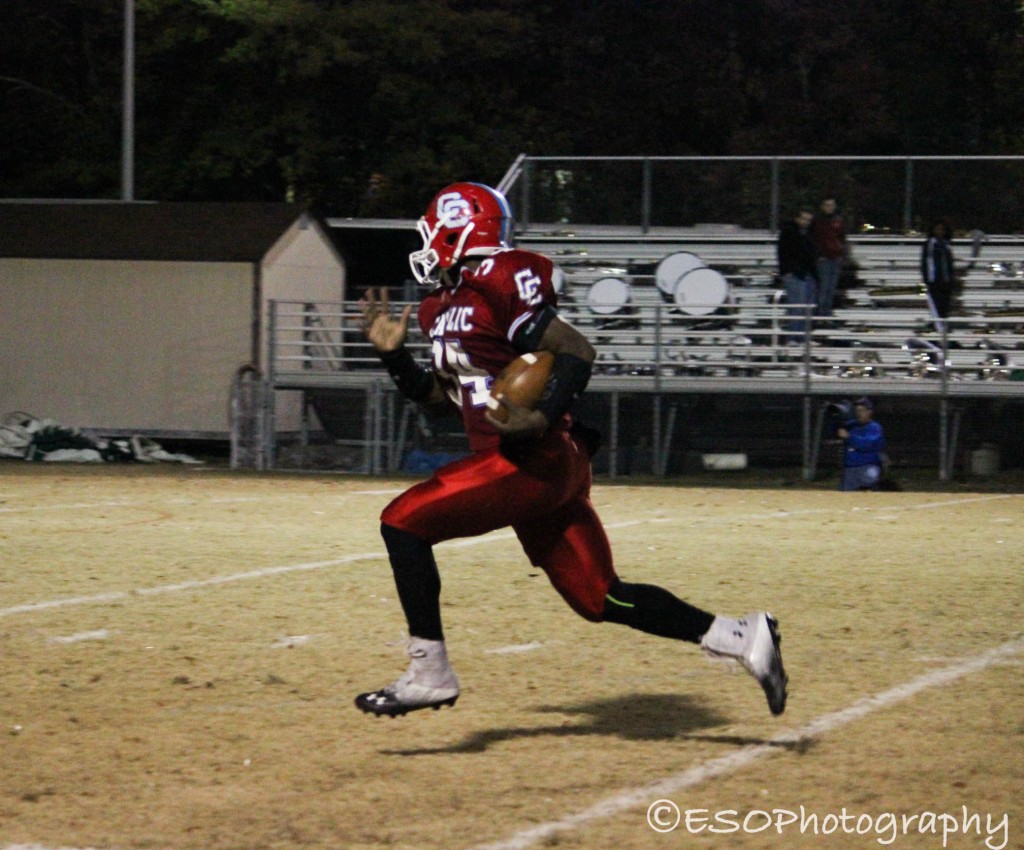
{"x": 842, "y": 433}
{"x": 522, "y": 423}
{"x": 384, "y": 331}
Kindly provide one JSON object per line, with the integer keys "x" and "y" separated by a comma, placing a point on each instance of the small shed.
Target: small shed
{"x": 135, "y": 317}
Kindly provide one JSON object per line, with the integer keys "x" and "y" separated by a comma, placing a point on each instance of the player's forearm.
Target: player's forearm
{"x": 562, "y": 338}
{"x": 574, "y": 356}
{"x": 570, "y": 374}
{"x": 414, "y": 381}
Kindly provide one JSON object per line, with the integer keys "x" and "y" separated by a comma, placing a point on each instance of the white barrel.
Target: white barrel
{"x": 701, "y": 292}
{"x": 608, "y": 296}
{"x": 557, "y": 280}
{"x": 673, "y": 267}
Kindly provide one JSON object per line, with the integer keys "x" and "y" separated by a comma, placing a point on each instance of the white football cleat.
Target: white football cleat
{"x": 754, "y": 642}
{"x": 429, "y": 682}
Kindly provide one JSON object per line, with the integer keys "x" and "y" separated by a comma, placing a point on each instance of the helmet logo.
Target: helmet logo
{"x": 453, "y": 210}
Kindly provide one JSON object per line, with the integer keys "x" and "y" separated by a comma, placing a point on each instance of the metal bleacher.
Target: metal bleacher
{"x": 882, "y": 339}
{"x": 881, "y": 330}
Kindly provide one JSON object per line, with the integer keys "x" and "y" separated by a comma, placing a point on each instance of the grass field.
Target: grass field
{"x": 179, "y": 650}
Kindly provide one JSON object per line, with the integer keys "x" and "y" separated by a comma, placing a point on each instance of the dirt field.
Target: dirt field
{"x": 179, "y": 650}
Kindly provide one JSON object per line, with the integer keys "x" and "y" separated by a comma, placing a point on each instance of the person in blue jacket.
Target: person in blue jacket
{"x": 863, "y": 448}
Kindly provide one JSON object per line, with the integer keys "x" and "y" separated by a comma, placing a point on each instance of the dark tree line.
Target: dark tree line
{"x": 309, "y": 99}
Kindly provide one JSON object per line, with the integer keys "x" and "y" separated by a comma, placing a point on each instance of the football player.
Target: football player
{"x": 489, "y": 303}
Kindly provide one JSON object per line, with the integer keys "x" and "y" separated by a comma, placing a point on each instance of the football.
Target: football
{"x": 521, "y": 383}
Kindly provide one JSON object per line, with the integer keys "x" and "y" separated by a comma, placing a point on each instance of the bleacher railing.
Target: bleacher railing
{"x": 657, "y": 347}
{"x": 753, "y": 346}
{"x": 883, "y": 193}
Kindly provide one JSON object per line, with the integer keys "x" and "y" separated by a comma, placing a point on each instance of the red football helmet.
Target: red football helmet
{"x": 463, "y": 220}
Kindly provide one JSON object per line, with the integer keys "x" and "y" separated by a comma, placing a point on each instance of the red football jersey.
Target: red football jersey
{"x": 471, "y": 328}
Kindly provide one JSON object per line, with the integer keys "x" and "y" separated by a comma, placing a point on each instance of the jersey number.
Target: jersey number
{"x": 452, "y": 361}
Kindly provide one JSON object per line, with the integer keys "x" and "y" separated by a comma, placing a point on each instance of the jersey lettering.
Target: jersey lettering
{"x": 453, "y": 320}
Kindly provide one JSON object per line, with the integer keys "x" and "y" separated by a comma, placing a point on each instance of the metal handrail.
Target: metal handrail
{"x": 667, "y": 354}
{"x": 523, "y": 162}
{"x": 739, "y": 341}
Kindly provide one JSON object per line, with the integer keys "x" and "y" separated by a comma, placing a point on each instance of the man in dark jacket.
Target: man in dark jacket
{"x": 798, "y": 259}
{"x": 937, "y": 268}
{"x": 830, "y": 240}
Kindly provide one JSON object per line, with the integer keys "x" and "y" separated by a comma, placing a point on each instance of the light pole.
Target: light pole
{"x": 128, "y": 105}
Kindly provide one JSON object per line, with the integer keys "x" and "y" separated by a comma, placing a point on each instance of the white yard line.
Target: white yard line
{"x": 181, "y": 500}
{"x": 644, "y": 795}
{"x": 127, "y": 503}
{"x": 628, "y": 798}
{"x": 79, "y": 637}
{"x": 216, "y": 581}
{"x": 514, "y": 648}
{"x": 967, "y": 501}
{"x": 41, "y": 847}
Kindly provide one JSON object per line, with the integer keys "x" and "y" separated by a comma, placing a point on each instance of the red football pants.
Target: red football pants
{"x": 545, "y": 497}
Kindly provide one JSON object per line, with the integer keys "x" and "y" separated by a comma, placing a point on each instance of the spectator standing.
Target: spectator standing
{"x": 863, "y": 448}
{"x": 937, "y": 268}
{"x": 829, "y": 232}
{"x": 798, "y": 268}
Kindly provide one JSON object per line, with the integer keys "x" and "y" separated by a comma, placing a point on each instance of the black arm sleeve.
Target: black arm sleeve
{"x": 529, "y": 334}
{"x": 569, "y": 378}
{"x": 413, "y": 381}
